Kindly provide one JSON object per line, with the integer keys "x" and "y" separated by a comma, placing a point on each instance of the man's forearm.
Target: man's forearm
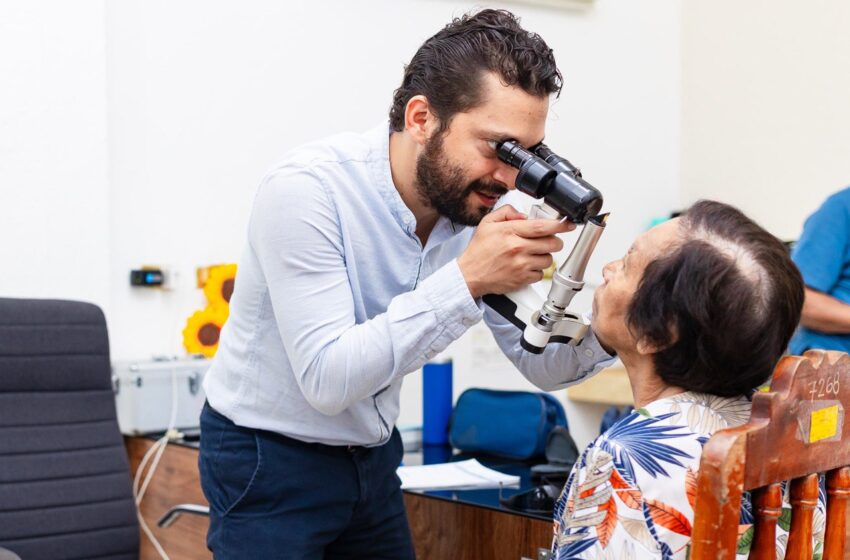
{"x": 558, "y": 366}
{"x": 824, "y": 313}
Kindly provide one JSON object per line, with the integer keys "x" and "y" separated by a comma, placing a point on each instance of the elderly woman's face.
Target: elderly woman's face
{"x": 620, "y": 282}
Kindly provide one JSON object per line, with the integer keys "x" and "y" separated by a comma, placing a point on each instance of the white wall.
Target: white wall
{"x": 54, "y": 195}
{"x": 201, "y": 97}
{"x": 765, "y": 115}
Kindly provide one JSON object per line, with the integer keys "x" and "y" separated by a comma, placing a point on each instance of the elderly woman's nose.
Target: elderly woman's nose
{"x": 608, "y": 269}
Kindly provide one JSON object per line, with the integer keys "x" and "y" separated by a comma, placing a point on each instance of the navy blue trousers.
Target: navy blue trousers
{"x": 276, "y": 497}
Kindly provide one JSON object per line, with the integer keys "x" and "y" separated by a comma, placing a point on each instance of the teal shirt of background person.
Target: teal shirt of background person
{"x": 823, "y": 256}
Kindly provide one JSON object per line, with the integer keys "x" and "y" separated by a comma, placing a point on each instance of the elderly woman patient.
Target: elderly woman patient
{"x": 699, "y": 310}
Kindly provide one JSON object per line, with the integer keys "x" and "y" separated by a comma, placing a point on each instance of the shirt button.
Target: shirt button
{"x": 588, "y": 352}
{"x": 430, "y": 354}
{"x": 468, "y": 321}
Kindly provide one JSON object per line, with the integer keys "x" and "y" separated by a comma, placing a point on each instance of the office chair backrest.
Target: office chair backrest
{"x": 796, "y": 430}
{"x": 65, "y": 489}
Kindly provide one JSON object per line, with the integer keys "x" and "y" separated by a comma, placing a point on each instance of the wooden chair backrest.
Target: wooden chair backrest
{"x": 795, "y": 431}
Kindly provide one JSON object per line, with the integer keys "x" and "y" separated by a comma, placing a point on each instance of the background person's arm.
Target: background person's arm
{"x": 824, "y": 313}
{"x": 820, "y": 254}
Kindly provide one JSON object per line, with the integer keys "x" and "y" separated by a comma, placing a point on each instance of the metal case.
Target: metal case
{"x": 144, "y": 393}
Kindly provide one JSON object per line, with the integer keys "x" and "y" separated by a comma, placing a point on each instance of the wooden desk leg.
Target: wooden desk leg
{"x": 176, "y": 481}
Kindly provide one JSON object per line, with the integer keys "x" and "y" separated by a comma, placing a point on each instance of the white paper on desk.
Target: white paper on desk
{"x": 462, "y": 475}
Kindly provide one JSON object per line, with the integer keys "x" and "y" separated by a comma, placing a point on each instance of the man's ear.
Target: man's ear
{"x": 419, "y": 121}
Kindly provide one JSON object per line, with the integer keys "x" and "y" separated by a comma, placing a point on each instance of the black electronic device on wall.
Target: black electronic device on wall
{"x": 147, "y": 278}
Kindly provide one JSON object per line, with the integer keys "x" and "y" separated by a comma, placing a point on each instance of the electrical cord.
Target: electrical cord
{"x": 156, "y": 450}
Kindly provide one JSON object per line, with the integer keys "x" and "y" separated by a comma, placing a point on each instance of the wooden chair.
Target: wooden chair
{"x": 796, "y": 430}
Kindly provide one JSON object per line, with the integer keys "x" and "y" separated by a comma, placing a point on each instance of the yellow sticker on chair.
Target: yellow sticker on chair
{"x": 824, "y": 423}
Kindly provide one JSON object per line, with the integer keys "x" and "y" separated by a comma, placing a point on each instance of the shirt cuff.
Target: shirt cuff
{"x": 449, "y": 296}
{"x": 592, "y": 350}
{"x": 592, "y": 357}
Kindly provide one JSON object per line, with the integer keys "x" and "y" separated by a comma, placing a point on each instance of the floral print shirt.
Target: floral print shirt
{"x": 631, "y": 494}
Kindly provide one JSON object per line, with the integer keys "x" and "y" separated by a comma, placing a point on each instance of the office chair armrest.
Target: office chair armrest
{"x": 172, "y": 514}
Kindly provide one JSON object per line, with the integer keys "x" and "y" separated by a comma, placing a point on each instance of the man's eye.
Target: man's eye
{"x": 493, "y": 145}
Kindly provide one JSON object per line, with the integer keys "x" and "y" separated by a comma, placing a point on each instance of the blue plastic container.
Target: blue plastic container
{"x": 436, "y": 402}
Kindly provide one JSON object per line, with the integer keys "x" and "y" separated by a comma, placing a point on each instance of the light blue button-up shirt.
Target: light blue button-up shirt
{"x": 336, "y": 300}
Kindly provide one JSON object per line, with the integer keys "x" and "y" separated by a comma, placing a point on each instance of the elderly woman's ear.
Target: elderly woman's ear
{"x": 646, "y": 346}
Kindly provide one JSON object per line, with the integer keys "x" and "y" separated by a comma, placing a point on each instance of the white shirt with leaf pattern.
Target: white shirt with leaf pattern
{"x": 631, "y": 494}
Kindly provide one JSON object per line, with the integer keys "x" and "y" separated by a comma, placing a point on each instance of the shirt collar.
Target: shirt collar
{"x": 382, "y": 177}
{"x": 379, "y": 158}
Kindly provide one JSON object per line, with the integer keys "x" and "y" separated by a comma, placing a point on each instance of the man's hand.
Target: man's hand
{"x": 508, "y": 251}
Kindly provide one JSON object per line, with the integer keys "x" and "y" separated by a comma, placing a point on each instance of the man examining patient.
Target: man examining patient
{"x": 366, "y": 255}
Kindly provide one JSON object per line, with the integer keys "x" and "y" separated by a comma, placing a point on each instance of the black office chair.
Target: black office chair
{"x": 65, "y": 489}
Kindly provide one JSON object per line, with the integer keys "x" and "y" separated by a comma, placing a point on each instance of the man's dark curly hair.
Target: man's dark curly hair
{"x": 722, "y": 305}
{"x": 448, "y": 68}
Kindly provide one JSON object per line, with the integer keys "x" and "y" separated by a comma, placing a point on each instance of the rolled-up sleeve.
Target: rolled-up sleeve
{"x": 296, "y": 235}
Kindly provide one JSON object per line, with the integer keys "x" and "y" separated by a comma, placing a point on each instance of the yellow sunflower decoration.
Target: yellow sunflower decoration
{"x": 202, "y": 331}
{"x": 219, "y": 285}
{"x": 203, "y": 328}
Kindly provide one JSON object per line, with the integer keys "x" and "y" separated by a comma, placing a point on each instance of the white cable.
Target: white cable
{"x": 157, "y": 449}
{"x": 163, "y": 441}
{"x": 158, "y": 446}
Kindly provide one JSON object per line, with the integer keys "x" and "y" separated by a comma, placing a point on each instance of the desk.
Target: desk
{"x": 445, "y": 530}
{"x": 442, "y": 528}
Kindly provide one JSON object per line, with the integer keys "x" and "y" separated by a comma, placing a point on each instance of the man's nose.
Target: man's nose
{"x": 506, "y": 175}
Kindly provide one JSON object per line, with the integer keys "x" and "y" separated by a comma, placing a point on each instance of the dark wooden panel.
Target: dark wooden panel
{"x": 176, "y": 481}
{"x": 443, "y": 529}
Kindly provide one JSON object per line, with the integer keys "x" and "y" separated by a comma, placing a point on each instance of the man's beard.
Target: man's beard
{"x": 442, "y": 186}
